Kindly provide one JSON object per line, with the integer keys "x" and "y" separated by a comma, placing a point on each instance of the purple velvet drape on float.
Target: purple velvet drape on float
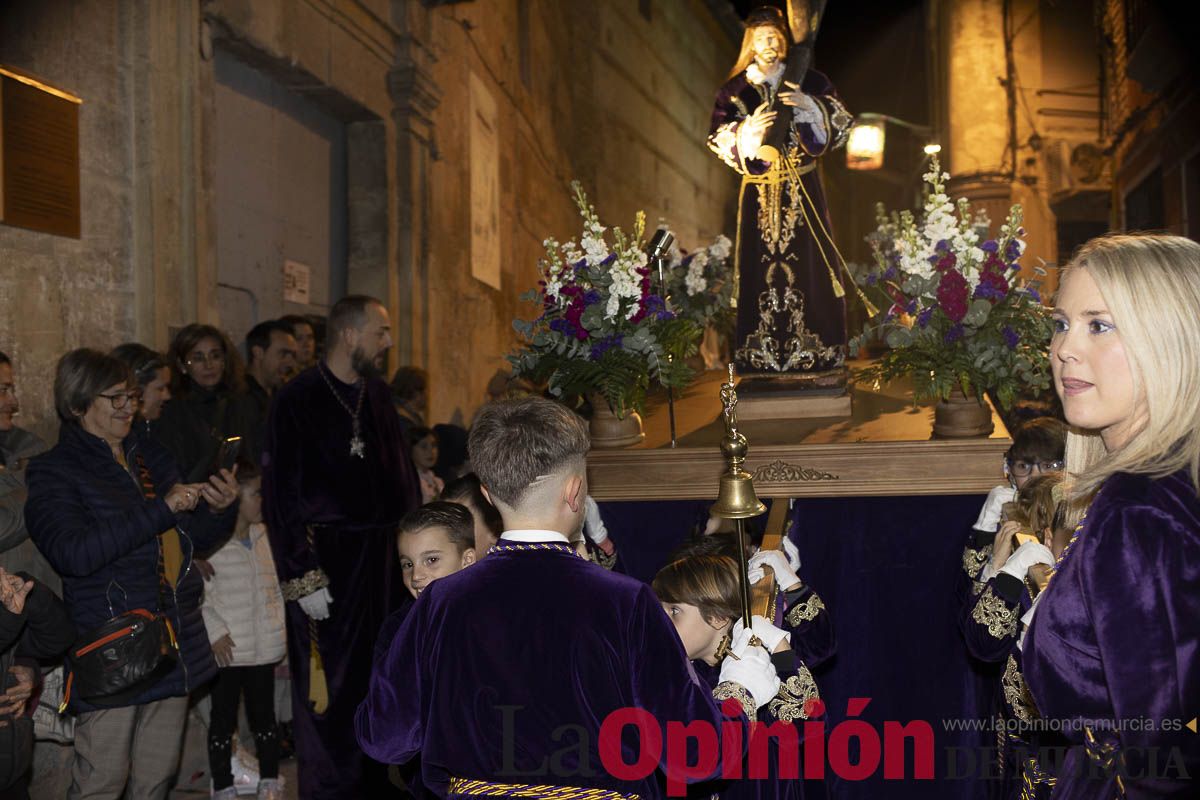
{"x": 886, "y": 568}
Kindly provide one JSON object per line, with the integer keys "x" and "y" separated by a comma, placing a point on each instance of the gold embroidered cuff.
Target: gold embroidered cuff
{"x": 994, "y": 613}
{"x": 973, "y": 560}
{"x": 806, "y": 611}
{"x": 728, "y": 689}
{"x": 790, "y": 703}
{"x": 305, "y": 585}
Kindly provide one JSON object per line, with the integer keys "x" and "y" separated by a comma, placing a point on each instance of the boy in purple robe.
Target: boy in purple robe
{"x": 502, "y": 675}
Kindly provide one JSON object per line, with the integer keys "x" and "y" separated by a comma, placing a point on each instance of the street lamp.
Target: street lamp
{"x": 865, "y": 147}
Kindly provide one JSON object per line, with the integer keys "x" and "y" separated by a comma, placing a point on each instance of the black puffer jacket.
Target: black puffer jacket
{"x": 90, "y": 519}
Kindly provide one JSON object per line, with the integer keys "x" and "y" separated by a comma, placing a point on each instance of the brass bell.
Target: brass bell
{"x": 735, "y": 498}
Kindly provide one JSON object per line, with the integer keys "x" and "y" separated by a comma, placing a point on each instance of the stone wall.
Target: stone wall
{"x": 614, "y": 94}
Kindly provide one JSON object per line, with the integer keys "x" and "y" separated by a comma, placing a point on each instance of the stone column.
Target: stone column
{"x": 415, "y": 95}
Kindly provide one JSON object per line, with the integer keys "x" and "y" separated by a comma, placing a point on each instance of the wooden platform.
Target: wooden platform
{"x": 883, "y": 448}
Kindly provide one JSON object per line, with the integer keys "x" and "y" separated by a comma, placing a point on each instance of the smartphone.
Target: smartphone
{"x": 229, "y": 452}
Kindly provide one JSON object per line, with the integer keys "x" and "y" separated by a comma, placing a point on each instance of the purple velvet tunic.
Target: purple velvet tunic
{"x": 780, "y": 234}
{"x": 1117, "y": 638}
{"x": 506, "y": 671}
{"x": 333, "y": 514}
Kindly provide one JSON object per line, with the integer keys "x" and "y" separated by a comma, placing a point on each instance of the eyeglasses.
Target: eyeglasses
{"x": 205, "y": 359}
{"x": 1023, "y": 468}
{"x": 121, "y": 399}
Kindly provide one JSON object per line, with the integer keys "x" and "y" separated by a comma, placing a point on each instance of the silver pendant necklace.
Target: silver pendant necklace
{"x": 357, "y": 445}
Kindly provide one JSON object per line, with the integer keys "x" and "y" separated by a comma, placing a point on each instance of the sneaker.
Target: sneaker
{"x": 228, "y": 793}
{"x": 245, "y": 772}
{"x": 270, "y": 789}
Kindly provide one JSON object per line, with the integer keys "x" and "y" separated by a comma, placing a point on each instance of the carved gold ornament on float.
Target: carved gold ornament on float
{"x": 39, "y": 155}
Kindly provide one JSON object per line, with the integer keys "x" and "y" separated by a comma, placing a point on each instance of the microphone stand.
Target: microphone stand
{"x": 659, "y": 245}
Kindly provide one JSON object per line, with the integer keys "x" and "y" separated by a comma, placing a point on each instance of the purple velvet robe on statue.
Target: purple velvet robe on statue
{"x": 506, "y": 671}
{"x": 784, "y": 230}
{"x": 333, "y": 513}
{"x": 1116, "y": 637}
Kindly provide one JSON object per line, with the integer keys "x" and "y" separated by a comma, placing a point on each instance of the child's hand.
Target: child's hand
{"x": 1002, "y": 546}
{"x": 223, "y": 650}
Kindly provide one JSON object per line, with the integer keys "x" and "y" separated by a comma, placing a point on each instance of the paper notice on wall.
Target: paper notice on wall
{"x": 295, "y": 282}
{"x": 485, "y": 184}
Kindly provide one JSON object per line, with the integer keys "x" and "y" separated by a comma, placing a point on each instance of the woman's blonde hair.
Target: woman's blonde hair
{"x": 1151, "y": 283}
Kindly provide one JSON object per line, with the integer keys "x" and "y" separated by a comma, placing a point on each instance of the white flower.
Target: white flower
{"x": 595, "y": 249}
{"x": 720, "y": 248}
{"x": 694, "y": 280}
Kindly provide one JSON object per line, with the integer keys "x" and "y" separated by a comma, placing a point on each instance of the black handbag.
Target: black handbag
{"x": 117, "y": 661}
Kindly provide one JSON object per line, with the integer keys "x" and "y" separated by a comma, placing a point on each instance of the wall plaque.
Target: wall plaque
{"x": 39, "y": 155}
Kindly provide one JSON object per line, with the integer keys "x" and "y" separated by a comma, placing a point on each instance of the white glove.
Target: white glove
{"x": 764, "y": 630}
{"x": 809, "y": 113}
{"x": 593, "y": 525}
{"x": 1026, "y": 556}
{"x": 785, "y": 576}
{"x": 989, "y": 517}
{"x": 792, "y": 552}
{"x": 752, "y": 669}
{"x": 316, "y": 605}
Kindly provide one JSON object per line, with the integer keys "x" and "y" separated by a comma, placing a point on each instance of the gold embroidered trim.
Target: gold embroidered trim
{"x": 602, "y": 558}
{"x": 990, "y": 610}
{"x": 465, "y": 786}
{"x": 806, "y": 611}
{"x": 1016, "y": 692}
{"x": 790, "y": 703}
{"x": 977, "y": 587}
{"x": 305, "y": 585}
{"x": 727, "y": 690}
{"x": 973, "y": 560}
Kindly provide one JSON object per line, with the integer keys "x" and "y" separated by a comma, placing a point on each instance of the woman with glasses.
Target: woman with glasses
{"x": 1113, "y": 652}
{"x": 153, "y": 377}
{"x": 209, "y": 402}
{"x": 109, "y": 511}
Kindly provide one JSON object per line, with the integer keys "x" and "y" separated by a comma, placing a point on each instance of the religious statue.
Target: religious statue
{"x": 791, "y": 312}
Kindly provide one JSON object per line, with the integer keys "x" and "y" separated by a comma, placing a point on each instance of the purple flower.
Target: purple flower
{"x": 889, "y": 274}
{"x": 911, "y": 307}
{"x": 872, "y": 279}
{"x": 990, "y": 246}
{"x": 591, "y": 297}
{"x": 609, "y": 259}
{"x": 562, "y": 326}
{"x": 604, "y": 345}
{"x": 1012, "y": 251}
{"x": 955, "y": 333}
{"x": 924, "y": 317}
{"x": 580, "y": 265}
{"x": 1011, "y": 337}
{"x": 942, "y": 246}
{"x": 1037, "y": 298}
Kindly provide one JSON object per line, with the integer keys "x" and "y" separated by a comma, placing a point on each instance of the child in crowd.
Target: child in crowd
{"x": 466, "y": 492}
{"x": 243, "y": 612}
{"x": 423, "y": 445}
{"x": 994, "y": 625}
{"x": 1038, "y": 448}
{"x": 435, "y": 540}
{"x": 702, "y": 597}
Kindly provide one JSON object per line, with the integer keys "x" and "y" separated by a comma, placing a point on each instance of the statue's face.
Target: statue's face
{"x": 768, "y": 45}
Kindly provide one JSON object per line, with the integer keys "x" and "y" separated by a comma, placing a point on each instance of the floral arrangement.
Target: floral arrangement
{"x": 700, "y": 284}
{"x": 602, "y": 328}
{"x": 959, "y": 316}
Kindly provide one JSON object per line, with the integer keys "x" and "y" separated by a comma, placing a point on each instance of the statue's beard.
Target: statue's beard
{"x": 364, "y": 366}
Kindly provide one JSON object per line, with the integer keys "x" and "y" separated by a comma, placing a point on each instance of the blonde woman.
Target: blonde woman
{"x": 1114, "y": 649}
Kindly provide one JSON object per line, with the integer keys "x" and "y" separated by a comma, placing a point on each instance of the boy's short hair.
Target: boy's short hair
{"x": 247, "y": 471}
{"x": 416, "y": 434}
{"x": 466, "y": 492}
{"x": 454, "y": 518}
{"x": 708, "y": 582}
{"x": 1041, "y": 439}
{"x": 513, "y": 442}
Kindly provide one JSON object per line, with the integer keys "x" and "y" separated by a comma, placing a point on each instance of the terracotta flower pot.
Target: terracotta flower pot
{"x": 960, "y": 416}
{"x": 607, "y": 430}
